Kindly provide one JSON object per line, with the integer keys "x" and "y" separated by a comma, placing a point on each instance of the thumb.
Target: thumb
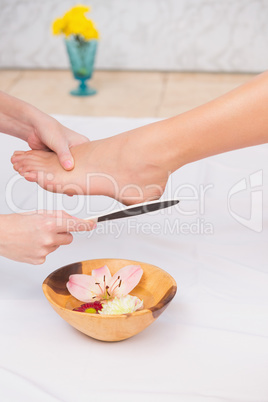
{"x": 63, "y": 152}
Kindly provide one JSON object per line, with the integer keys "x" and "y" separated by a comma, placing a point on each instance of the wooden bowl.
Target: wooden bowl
{"x": 156, "y": 288}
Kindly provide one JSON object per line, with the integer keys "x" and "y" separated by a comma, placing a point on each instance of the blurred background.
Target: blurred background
{"x": 156, "y": 58}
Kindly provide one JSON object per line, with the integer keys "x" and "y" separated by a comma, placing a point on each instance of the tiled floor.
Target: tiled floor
{"x": 129, "y": 94}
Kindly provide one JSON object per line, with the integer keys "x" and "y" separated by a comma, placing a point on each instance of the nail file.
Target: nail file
{"x": 137, "y": 209}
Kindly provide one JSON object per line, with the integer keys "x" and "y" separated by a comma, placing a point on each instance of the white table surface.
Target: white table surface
{"x": 211, "y": 344}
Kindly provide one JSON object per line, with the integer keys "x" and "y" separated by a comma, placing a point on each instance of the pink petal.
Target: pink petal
{"x": 83, "y": 287}
{"x": 129, "y": 276}
{"x": 100, "y": 273}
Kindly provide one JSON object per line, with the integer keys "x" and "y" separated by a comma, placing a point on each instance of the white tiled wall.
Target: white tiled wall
{"x": 192, "y": 35}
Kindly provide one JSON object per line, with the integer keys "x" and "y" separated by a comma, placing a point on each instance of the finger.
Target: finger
{"x": 67, "y": 223}
{"x": 63, "y": 239}
{"x": 84, "y": 226}
{"x": 61, "y": 214}
{"x": 58, "y": 216}
{"x": 48, "y": 212}
{"x": 53, "y": 248}
{"x": 54, "y": 214}
{"x": 61, "y": 148}
{"x": 76, "y": 225}
{"x": 66, "y": 160}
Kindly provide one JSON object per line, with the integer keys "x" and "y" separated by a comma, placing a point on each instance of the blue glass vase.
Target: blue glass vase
{"x": 82, "y": 57}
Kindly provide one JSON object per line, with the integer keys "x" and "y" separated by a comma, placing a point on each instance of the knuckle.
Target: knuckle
{"x": 40, "y": 221}
{"x": 47, "y": 241}
{"x": 49, "y": 224}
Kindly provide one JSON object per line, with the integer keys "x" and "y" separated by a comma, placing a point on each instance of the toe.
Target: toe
{"x": 30, "y": 176}
{"x": 17, "y": 158}
{"x": 26, "y": 165}
{"x": 14, "y": 158}
{"x": 29, "y": 156}
{"x": 16, "y": 167}
{"x": 17, "y": 153}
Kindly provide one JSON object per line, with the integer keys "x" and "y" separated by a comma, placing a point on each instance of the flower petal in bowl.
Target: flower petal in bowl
{"x": 156, "y": 288}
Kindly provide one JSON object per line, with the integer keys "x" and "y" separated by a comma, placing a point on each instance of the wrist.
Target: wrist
{"x": 19, "y": 118}
{"x": 15, "y": 117}
{"x": 34, "y": 119}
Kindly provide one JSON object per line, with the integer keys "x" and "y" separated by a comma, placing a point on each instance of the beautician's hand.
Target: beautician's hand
{"x": 41, "y": 131}
{"x": 49, "y": 134}
{"x": 30, "y": 237}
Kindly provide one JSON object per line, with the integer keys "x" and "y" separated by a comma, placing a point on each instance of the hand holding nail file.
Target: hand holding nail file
{"x": 137, "y": 209}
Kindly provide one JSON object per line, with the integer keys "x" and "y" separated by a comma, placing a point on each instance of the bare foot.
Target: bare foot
{"x": 116, "y": 167}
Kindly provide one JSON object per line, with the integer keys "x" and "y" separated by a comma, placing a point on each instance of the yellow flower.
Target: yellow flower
{"x": 80, "y": 9}
{"x": 57, "y": 26}
{"x": 90, "y": 31}
{"x": 74, "y": 22}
